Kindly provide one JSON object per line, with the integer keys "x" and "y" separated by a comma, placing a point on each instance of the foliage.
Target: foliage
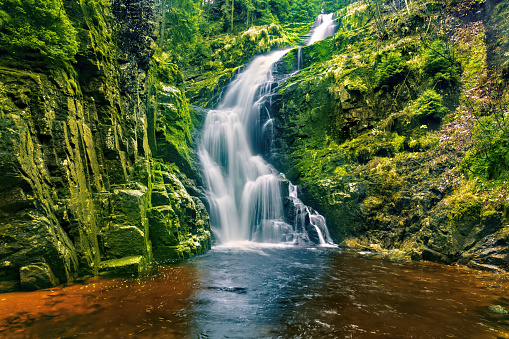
{"x": 303, "y": 11}
{"x": 398, "y": 142}
{"x": 391, "y": 70}
{"x": 165, "y": 71}
{"x": 181, "y": 30}
{"x": 463, "y": 203}
{"x": 439, "y": 66}
{"x": 489, "y": 159}
{"x": 247, "y": 13}
{"x": 430, "y": 104}
{"x": 330, "y": 6}
{"x": 37, "y": 28}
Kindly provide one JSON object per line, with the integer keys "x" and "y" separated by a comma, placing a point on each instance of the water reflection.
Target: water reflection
{"x": 152, "y": 307}
{"x": 270, "y": 292}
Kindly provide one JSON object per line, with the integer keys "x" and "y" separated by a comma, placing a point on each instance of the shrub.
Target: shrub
{"x": 489, "y": 159}
{"x": 398, "y": 142}
{"x": 429, "y": 104}
{"x": 391, "y": 70}
{"x": 37, "y": 28}
{"x": 438, "y": 65}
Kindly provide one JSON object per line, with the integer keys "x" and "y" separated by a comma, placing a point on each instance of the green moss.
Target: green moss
{"x": 489, "y": 159}
{"x": 226, "y": 54}
{"x": 205, "y": 89}
{"x": 439, "y": 65}
{"x": 37, "y": 29}
{"x": 320, "y": 51}
{"x": 372, "y": 203}
{"x": 391, "y": 70}
{"x": 133, "y": 265}
{"x": 173, "y": 128}
{"x": 463, "y": 203}
{"x": 398, "y": 142}
{"x": 353, "y": 17}
{"x": 97, "y": 18}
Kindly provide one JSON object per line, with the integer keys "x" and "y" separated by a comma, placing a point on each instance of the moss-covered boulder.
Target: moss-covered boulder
{"x": 173, "y": 129}
{"x": 179, "y": 223}
{"x": 36, "y": 276}
{"x": 124, "y": 241}
{"x": 30, "y": 238}
{"x": 132, "y": 266}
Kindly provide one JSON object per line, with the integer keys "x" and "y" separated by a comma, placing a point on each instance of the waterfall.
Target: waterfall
{"x": 299, "y": 58}
{"x": 323, "y": 27}
{"x": 245, "y": 193}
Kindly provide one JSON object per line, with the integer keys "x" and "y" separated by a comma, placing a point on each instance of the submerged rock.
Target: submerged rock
{"x": 498, "y": 309}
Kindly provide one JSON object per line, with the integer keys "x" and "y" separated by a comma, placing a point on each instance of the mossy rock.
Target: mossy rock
{"x": 164, "y": 254}
{"x": 124, "y": 241}
{"x": 37, "y": 276}
{"x": 132, "y": 265}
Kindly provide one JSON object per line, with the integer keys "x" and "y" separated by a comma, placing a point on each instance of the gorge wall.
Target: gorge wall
{"x": 96, "y": 172}
{"x": 380, "y": 128}
{"x": 395, "y": 128}
{"x": 385, "y": 123}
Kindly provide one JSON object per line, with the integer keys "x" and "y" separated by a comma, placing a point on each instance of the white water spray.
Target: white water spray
{"x": 323, "y": 27}
{"x": 243, "y": 190}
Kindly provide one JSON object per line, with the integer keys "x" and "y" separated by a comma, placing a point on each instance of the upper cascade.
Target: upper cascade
{"x": 323, "y": 27}
{"x": 245, "y": 193}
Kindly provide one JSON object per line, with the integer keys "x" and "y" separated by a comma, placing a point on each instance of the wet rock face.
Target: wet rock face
{"x": 37, "y": 276}
{"x": 35, "y": 251}
{"x": 177, "y": 220}
{"x": 136, "y": 20}
{"x": 77, "y": 176}
{"x": 379, "y": 195}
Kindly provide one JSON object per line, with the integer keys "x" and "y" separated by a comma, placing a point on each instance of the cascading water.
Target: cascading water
{"x": 299, "y": 58}
{"x": 323, "y": 27}
{"x": 243, "y": 190}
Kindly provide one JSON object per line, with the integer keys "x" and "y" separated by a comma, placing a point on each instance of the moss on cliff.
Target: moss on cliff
{"x": 224, "y": 55}
{"x": 37, "y": 30}
{"x": 376, "y": 135}
{"x": 80, "y": 183}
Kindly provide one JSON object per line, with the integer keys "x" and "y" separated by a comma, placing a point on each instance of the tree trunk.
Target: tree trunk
{"x": 233, "y": 7}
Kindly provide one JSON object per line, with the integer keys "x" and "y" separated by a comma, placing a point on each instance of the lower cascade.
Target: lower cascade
{"x": 249, "y": 200}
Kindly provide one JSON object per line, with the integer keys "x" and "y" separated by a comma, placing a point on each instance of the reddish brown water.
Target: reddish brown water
{"x": 270, "y": 292}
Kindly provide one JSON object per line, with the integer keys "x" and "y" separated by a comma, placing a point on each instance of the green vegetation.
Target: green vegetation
{"x": 397, "y": 127}
{"x": 439, "y": 66}
{"x": 391, "y": 70}
{"x": 489, "y": 159}
{"x": 430, "y": 104}
{"x": 35, "y": 29}
{"x": 399, "y": 132}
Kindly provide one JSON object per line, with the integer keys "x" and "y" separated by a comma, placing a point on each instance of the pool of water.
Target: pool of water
{"x": 257, "y": 291}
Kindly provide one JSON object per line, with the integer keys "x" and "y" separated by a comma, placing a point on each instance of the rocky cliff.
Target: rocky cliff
{"x": 387, "y": 128}
{"x": 96, "y": 172}
{"x": 396, "y": 127}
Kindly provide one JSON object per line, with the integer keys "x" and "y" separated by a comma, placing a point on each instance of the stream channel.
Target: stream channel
{"x": 270, "y": 291}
